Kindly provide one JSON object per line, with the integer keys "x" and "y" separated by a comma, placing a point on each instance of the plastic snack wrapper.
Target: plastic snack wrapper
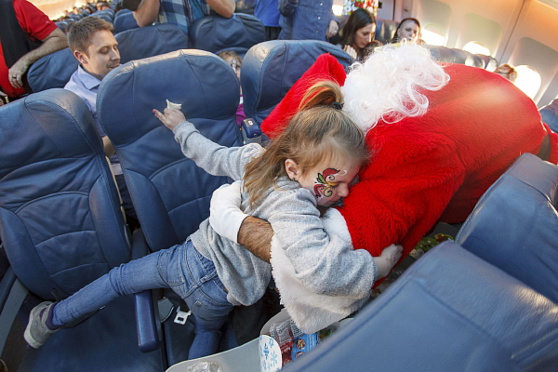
{"x": 171, "y": 105}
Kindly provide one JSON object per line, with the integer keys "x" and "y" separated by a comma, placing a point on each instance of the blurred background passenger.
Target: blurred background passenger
{"x": 507, "y": 71}
{"x": 357, "y": 35}
{"x": 234, "y": 60}
{"x": 408, "y": 29}
{"x": 307, "y": 20}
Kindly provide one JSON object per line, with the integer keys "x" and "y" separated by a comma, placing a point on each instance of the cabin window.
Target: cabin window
{"x": 477, "y": 48}
{"x": 432, "y": 34}
{"x": 528, "y": 80}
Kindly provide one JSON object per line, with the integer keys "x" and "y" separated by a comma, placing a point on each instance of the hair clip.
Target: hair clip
{"x": 336, "y": 105}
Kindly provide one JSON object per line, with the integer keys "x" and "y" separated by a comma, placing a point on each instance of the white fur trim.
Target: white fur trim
{"x": 310, "y": 311}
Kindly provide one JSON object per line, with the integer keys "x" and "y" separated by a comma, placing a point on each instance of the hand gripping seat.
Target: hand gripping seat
{"x": 450, "y": 311}
{"x": 269, "y": 69}
{"x": 61, "y": 228}
{"x": 170, "y": 193}
{"x": 515, "y": 224}
{"x": 215, "y": 33}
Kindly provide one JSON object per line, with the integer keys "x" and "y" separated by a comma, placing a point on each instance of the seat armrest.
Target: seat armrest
{"x": 148, "y": 337}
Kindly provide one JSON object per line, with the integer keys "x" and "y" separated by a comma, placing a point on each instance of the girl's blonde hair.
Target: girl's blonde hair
{"x": 318, "y": 132}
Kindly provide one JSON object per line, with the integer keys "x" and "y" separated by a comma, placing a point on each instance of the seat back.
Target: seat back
{"x": 449, "y": 311}
{"x": 52, "y": 71}
{"x": 169, "y": 192}
{"x": 150, "y": 41}
{"x": 60, "y": 221}
{"x": 515, "y": 223}
{"x": 124, "y": 20}
{"x": 269, "y": 69}
{"x": 385, "y": 30}
{"x": 215, "y": 33}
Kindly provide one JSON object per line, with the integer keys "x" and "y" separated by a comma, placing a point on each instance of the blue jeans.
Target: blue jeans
{"x": 181, "y": 268}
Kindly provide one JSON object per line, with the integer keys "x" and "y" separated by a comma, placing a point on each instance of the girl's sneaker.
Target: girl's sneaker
{"x": 37, "y": 331}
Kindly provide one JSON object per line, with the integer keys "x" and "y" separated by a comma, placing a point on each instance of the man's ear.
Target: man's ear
{"x": 80, "y": 56}
{"x": 292, "y": 169}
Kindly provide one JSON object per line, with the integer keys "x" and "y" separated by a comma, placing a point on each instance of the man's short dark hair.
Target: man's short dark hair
{"x": 79, "y": 33}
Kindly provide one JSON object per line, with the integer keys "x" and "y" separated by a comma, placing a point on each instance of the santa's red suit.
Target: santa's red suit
{"x": 434, "y": 166}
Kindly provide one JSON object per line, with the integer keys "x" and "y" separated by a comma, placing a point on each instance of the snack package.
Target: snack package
{"x": 171, "y": 105}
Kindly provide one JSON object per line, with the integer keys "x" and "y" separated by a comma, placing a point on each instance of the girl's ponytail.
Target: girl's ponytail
{"x": 322, "y": 93}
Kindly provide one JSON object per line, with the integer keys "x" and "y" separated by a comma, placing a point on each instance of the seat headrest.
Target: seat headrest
{"x": 514, "y": 224}
{"x": 52, "y": 71}
{"x": 269, "y": 70}
{"x": 215, "y": 33}
{"x": 32, "y": 132}
{"x": 454, "y": 55}
{"x": 124, "y": 20}
{"x": 450, "y": 310}
{"x": 150, "y": 41}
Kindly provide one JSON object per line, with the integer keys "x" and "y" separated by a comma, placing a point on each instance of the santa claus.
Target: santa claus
{"x": 439, "y": 136}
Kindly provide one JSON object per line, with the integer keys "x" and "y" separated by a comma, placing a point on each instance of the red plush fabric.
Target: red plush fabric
{"x": 436, "y": 167}
{"x": 326, "y": 67}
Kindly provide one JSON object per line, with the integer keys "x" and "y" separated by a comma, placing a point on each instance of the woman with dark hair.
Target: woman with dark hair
{"x": 357, "y": 36}
{"x": 408, "y": 29}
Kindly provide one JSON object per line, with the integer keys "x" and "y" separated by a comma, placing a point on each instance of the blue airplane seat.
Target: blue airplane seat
{"x": 269, "y": 69}
{"x": 52, "y": 71}
{"x": 450, "y": 311}
{"x": 62, "y": 227}
{"x": 215, "y": 33}
{"x": 549, "y": 115}
{"x": 385, "y": 30}
{"x": 515, "y": 223}
{"x": 124, "y": 20}
{"x": 107, "y": 15}
{"x": 55, "y": 70}
{"x": 170, "y": 193}
{"x": 150, "y": 41}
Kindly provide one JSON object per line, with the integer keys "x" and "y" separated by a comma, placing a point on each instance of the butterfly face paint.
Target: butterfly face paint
{"x": 326, "y": 182}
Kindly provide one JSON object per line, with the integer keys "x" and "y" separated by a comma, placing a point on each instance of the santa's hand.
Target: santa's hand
{"x": 389, "y": 257}
{"x": 225, "y": 216}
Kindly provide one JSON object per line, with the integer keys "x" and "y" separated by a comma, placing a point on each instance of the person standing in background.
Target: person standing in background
{"x": 268, "y": 12}
{"x": 307, "y": 20}
{"x": 26, "y": 34}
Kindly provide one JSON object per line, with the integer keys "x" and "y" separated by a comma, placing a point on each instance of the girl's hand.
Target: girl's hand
{"x": 171, "y": 117}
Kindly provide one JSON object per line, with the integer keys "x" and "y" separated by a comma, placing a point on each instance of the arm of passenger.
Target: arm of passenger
{"x": 403, "y": 192}
{"x": 213, "y": 158}
{"x": 55, "y": 41}
{"x": 255, "y": 235}
{"x": 224, "y": 8}
{"x": 147, "y": 12}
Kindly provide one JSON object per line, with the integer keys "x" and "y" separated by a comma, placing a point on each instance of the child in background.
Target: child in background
{"x": 307, "y": 168}
{"x": 234, "y": 60}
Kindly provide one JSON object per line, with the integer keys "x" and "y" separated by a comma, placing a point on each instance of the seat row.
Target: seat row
{"x": 488, "y": 301}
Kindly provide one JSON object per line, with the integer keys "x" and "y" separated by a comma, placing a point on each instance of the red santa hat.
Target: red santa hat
{"x": 326, "y": 67}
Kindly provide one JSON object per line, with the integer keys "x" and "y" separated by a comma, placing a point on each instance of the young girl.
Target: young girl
{"x": 310, "y": 166}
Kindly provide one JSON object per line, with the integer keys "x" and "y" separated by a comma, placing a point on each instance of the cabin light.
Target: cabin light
{"x": 433, "y": 38}
{"x": 337, "y": 10}
{"x": 528, "y": 80}
{"x": 477, "y": 48}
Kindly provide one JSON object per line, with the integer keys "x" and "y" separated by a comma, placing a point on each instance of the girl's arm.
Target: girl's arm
{"x": 213, "y": 158}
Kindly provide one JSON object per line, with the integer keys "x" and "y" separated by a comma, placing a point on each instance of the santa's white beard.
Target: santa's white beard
{"x": 389, "y": 83}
